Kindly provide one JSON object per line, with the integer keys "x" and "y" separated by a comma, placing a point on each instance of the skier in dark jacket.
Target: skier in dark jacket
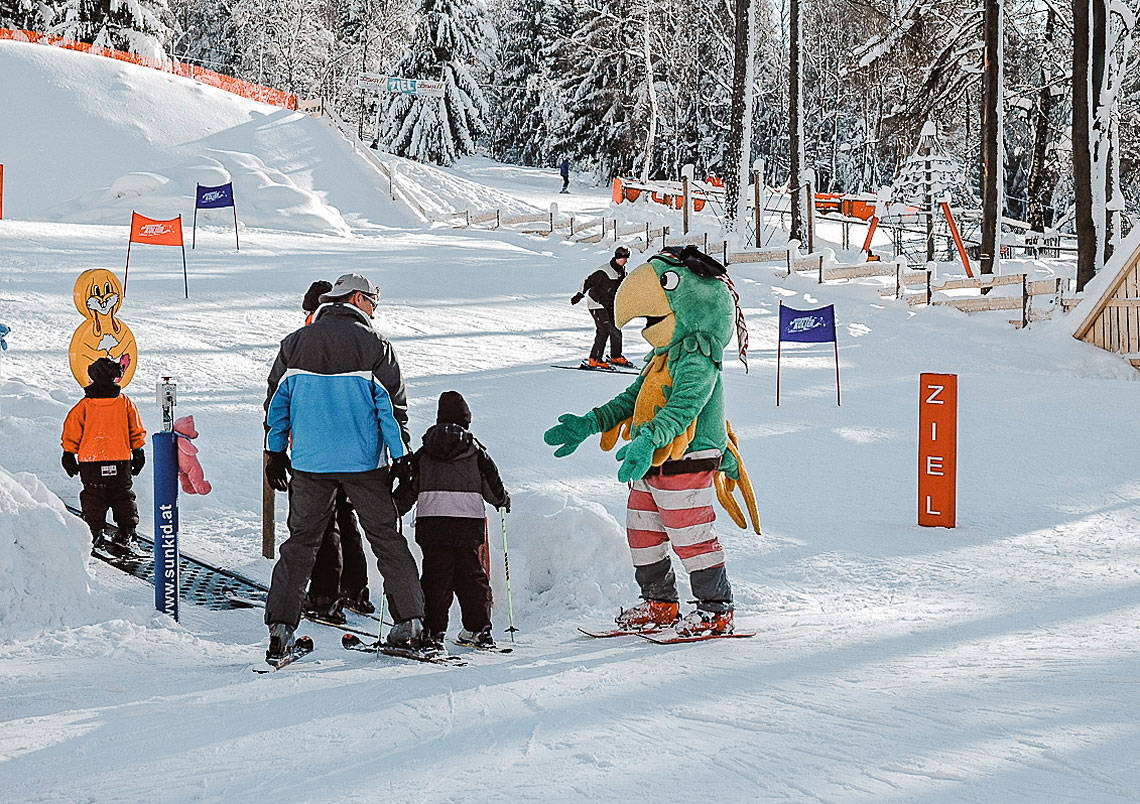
{"x": 450, "y": 477}
{"x": 599, "y": 290}
{"x": 340, "y": 574}
{"x": 336, "y": 400}
{"x": 564, "y": 172}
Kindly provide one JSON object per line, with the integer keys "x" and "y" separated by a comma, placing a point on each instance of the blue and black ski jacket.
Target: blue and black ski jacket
{"x": 336, "y": 389}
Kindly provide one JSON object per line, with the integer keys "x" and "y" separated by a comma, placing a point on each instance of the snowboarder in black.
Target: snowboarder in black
{"x": 599, "y": 290}
{"x": 448, "y": 480}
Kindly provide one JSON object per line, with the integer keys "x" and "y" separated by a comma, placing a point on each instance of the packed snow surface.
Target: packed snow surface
{"x": 992, "y": 662}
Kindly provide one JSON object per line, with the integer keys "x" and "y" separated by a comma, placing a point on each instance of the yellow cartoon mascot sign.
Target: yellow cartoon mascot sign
{"x": 98, "y": 296}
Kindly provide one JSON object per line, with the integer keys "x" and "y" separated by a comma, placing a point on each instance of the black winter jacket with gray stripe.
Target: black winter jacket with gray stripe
{"x": 452, "y": 475}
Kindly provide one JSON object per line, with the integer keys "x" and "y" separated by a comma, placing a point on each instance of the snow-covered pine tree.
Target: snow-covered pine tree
{"x": 135, "y": 26}
{"x": 525, "y": 111}
{"x": 449, "y": 39}
{"x": 26, "y": 15}
{"x": 281, "y": 43}
{"x": 605, "y": 83}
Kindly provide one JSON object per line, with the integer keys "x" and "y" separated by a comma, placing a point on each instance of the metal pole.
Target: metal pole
{"x": 685, "y": 210}
{"x": 507, "y": 572}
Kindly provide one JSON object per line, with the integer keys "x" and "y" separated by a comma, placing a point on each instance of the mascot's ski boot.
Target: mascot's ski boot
{"x": 705, "y": 623}
{"x": 650, "y": 615}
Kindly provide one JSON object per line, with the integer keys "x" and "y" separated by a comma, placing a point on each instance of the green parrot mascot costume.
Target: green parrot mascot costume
{"x": 680, "y": 447}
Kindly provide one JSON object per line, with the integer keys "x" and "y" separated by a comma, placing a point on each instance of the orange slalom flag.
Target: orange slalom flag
{"x": 156, "y": 233}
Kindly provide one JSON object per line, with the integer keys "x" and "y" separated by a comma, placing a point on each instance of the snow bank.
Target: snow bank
{"x": 107, "y": 137}
{"x": 43, "y": 562}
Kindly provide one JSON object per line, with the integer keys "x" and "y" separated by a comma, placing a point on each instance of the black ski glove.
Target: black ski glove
{"x": 70, "y": 464}
{"x": 506, "y": 506}
{"x": 402, "y": 470}
{"x": 138, "y": 461}
{"x": 277, "y": 470}
{"x": 577, "y": 297}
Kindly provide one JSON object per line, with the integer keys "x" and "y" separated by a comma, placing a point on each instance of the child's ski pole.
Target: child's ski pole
{"x": 507, "y": 569}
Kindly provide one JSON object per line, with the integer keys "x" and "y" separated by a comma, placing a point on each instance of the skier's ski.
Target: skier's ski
{"x": 670, "y": 637}
{"x": 610, "y": 370}
{"x": 617, "y": 632}
{"x": 247, "y": 602}
{"x": 302, "y": 646}
{"x": 484, "y": 648}
{"x": 352, "y": 642}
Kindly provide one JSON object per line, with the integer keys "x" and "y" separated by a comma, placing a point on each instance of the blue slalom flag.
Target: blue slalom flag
{"x": 215, "y": 197}
{"x": 808, "y": 326}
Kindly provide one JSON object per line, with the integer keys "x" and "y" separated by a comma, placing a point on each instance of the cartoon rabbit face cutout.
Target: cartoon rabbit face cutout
{"x": 98, "y": 296}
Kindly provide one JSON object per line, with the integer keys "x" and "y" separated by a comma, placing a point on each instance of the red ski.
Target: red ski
{"x": 616, "y": 632}
{"x": 670, "y": 637}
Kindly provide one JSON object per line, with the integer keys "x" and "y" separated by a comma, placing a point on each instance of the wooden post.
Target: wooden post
{"x": 757, "y": 208}
{"x": 498, "y": 219}
{"x": 811, "y": 214}
{"x": 268, "y": 524}
{"x": 685, "y": 208}
{"x": 467, "y": 217}
{"x": 664, "y": 232}
{"x": 898, "y": 279}
{"x": 929, "y": 292}
{"x": 615, "y": 231}
{"x": 820, "y": 270}
{"x": 724, "y": 254}
{"x": 1024, "y": 301}
{"x": 706, "y": 248}
{"x": 571, "y": 226}
{"x": 647, "y": 235}
{"x": 846, "y": 234}
{"x": 552, "y": 221}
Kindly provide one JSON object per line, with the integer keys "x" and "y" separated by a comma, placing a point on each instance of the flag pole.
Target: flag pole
{"x": 234, "y": 205}
{"x": 127, "y": 269}
{"x": 835, "y": 333}
{"x": 779, "y": 341}
{"x": 194, "y": 233}
{"x": 185, "y": 281}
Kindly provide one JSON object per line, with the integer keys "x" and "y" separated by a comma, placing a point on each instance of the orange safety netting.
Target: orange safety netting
{"x": 237, "y": 86}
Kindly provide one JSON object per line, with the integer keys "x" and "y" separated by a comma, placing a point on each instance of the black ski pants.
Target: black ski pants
{"x": 606, "y": 329}
{"x": 453, "y": 549}
{"x": 341, "y": 568}
{"x": 312, "y": 500}
{"x": 96, "y": 498}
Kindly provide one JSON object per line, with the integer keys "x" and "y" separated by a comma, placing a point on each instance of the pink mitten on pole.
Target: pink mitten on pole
{"x": 189, "y": 469}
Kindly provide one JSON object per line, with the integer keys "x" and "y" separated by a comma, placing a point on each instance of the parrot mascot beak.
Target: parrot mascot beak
{"x": 640, "y": 295}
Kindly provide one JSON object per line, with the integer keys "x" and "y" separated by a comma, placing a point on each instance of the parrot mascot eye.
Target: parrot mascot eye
{"x": 670, "y": 280}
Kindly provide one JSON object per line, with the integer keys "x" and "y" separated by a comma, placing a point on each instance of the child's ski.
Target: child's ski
{"x": 670, "y": 637}
{"x": 353, "y": 642}
{"x": 484, "y": 648}
{"x": 610, "y": 370}
{"x": 302, "y": 646}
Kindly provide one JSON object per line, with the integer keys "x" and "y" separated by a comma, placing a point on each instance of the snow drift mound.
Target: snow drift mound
{"x": 79, "y": 133}
{"x": 43, "y": 553}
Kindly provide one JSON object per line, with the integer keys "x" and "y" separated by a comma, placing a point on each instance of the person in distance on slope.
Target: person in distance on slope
{"x": 103, "y": 440}
{"x": 448, "y": 480}
{"x": 336, "y": 399}
{"x": 599, "y": 289}
{"x": 564, "y": 172}
{"x": 340, "y": 574}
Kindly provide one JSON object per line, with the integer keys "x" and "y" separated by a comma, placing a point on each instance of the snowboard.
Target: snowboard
{"x": 302, "y": 646}
{"x": 352, "y": 642}
{"x": 671, "y": 638}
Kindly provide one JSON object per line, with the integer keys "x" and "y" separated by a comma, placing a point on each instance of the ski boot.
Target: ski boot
{"x": 407, "y": 635}
{"x": 326, "y": 609}
{"x": 280, "y": 642}
{"x": 433, "y": 640}
{"x": 596, "y": 364}
{"x": 649, "y": 615}
{"x": 705, "y": 623}
{"x": 358, "y": 601}
{"x": 124, "y": 543}
{"x": 621, "y": 361}
{"x": 476, "y": 639}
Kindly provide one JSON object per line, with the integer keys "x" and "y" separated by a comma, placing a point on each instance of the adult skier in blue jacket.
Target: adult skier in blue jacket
{"x": 336, "y": 393}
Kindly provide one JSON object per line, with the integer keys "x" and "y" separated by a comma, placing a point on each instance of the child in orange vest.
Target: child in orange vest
{"x": 103, "y": 439}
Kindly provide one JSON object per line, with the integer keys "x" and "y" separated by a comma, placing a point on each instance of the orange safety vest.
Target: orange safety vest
{"x": 103, "y": 429}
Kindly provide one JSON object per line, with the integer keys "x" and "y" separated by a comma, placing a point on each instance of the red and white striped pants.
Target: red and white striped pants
{"x": 675, "y": 510}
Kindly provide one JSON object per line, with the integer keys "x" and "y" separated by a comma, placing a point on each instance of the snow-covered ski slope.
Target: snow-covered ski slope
{"x": 994, "y": 662}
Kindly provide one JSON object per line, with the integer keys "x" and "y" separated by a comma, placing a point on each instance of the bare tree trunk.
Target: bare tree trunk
{"x": 796, "y": 123}
{"x": 1088, "y": 247}
{"x": 992, "y": 172}
{"x": 1038, "y": 200}
{"x": 651, "y": 89}
{"x": 740, "y": 108}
